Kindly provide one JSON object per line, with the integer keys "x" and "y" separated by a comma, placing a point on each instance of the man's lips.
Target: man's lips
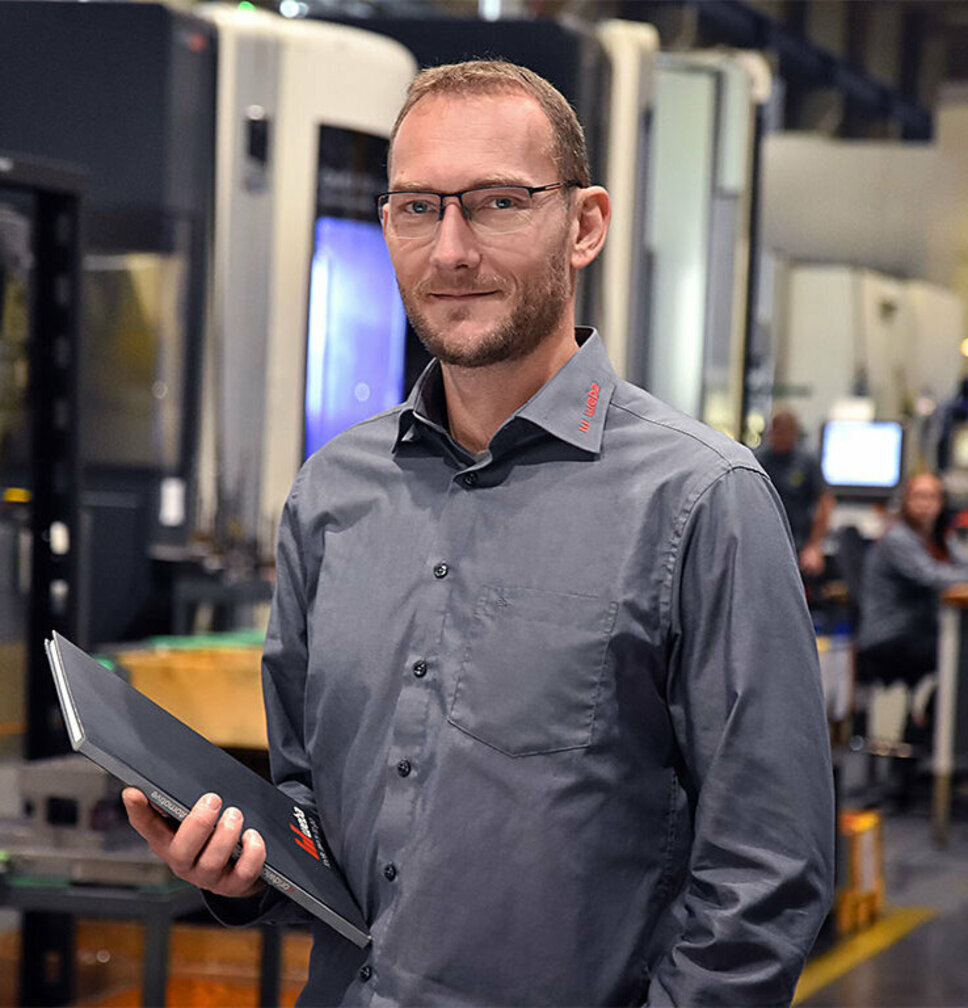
{"x": 461, "y": 295}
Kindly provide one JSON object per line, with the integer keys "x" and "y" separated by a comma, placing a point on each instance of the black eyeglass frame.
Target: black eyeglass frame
{"x": 383, "y": 198}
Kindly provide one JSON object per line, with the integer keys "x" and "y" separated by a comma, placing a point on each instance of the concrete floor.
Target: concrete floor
{"x": 927, "y": 967}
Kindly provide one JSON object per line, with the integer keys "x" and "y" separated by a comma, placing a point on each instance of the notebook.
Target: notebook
{"x": 143, "y": 745}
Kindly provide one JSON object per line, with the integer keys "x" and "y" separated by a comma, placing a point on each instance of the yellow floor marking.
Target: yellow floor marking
{"x": 852, "y": 951}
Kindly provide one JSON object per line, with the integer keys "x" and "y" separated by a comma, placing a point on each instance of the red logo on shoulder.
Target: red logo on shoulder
{"x": 591, "y": 402}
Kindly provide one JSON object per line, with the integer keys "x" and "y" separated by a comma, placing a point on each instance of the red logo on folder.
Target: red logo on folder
{"x": 305, "y": 842}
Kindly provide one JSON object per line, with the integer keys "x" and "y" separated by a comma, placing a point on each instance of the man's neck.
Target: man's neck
{"x": 480, "y": 400}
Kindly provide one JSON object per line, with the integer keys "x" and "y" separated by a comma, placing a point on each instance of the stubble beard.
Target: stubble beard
{"x": 534, "y": 316}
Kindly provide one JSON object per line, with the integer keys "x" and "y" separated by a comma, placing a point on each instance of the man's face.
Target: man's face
{"x": 478, "y": 301}
{"x": 783, "y": 434}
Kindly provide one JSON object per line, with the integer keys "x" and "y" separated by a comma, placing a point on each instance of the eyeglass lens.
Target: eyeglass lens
{"x": 494, "y": 210}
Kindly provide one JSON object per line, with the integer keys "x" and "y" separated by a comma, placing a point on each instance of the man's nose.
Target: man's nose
{"x": 455, "y": 243}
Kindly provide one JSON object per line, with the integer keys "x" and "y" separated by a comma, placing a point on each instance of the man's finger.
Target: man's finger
{"x": 244, "y": 878}
{"x": 214, "y": 862}
{"x": 143, "y": 818}
{"x": 193, "y": 834}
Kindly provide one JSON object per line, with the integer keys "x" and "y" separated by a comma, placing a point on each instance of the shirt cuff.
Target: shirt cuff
{"x": 245, "y": 910}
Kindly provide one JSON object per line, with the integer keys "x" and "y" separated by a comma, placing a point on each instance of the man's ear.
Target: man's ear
{"x": 594, "y": 212}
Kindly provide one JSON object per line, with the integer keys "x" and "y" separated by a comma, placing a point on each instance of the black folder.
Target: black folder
{"x": 120, "y": 729}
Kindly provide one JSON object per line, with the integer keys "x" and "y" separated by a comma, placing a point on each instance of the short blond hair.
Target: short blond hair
{"x": 493, "y": 76}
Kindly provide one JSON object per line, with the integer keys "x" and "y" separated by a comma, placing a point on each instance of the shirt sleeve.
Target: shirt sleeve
{"x": 284, "y": 659}
{"x": 911, "y": 560}
{"x": 746, "y": 703}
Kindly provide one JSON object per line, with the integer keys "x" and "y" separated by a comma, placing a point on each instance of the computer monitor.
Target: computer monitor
{"x": 862, "y": 458}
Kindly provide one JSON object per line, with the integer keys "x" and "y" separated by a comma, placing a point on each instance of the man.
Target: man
{"x": 538, "y": 654}
{"x": 799, "y": 481}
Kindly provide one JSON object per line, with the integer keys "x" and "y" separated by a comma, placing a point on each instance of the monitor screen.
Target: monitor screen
{"x": 862, "y": 457}
{"x": 357, "y": 326}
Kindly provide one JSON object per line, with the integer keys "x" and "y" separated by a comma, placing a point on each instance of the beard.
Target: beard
{"x": 533, "y": 316}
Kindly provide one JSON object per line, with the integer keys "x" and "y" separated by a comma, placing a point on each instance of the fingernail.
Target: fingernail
{"x": 211, "y": 801}
{"x": 232, "y": 815}
{"x": 251, "y": 837}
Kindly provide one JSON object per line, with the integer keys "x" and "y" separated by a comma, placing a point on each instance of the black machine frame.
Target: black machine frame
{"x": 54, "y": 316}
{"x": 54, "y": 324}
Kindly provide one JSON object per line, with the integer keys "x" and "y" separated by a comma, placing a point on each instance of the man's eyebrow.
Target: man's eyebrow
{"x": 405, "y": 185}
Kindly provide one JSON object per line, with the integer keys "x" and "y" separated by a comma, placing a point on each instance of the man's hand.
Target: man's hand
{"x": 200, "y": 849}
{"x": 812, "y": 560}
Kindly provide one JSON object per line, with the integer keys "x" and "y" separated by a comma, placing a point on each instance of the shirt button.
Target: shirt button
{"x": 366, "y": 972}
{"x": 390, "y": 871}
{"x": 469, "y": 479}
{"x": 440, "y": 571}
{"x": 420, "y": 669}
{"x": 404, "y": 768}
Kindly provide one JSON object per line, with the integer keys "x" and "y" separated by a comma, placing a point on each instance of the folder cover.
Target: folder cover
{"x": 139, "y": 742}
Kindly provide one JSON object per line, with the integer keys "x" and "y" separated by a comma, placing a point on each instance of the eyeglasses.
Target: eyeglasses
{"x": 490, "y": 210}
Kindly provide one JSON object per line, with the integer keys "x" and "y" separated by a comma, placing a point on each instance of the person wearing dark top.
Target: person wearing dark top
{"x": 539, "y": 654}
{"x": 904, "y": 573}
{"x": 799, "y": 481}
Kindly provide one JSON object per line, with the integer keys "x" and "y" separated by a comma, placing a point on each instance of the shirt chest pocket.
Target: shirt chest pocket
{"x": 531, "y": 673}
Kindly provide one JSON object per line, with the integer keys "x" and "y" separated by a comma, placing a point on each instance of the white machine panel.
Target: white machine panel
{"x": 233, "y": 402}
{"x": 631, "y": 48}
{"x": 681, "y": 176}
{"x": 850, "y": 330}
{"x": 280, "y": 83}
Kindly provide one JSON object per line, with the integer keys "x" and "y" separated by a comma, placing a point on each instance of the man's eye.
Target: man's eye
{"x": 504, "y": 201}
{"x": 418, "y": 207}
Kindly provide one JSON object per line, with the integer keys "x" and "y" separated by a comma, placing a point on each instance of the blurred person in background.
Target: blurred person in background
{"x": 904, "y": 573}
{"x": 798, "y": 479}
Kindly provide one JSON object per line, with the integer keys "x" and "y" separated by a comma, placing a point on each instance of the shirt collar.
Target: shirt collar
{"x": 571, "y": 406}
{"x": 425, "y": 405}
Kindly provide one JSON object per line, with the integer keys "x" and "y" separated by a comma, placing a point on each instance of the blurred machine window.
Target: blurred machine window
{"x": 131, "y": 376}
{"x": 16, "y": 212}
{"x": 357, "y": 326}
{"x": 16, "y": 263}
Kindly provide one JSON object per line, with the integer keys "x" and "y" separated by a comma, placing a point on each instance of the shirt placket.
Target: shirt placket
{"x": 421, "y": 706}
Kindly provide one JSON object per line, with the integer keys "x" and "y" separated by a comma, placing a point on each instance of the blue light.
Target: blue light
{"x": 357, "y": 330}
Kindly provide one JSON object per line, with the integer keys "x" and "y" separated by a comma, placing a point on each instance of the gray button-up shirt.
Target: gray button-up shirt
{"x": 558, "y": 707}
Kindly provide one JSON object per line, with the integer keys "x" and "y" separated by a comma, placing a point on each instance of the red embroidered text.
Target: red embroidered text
{"x": 590, "y": 404}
